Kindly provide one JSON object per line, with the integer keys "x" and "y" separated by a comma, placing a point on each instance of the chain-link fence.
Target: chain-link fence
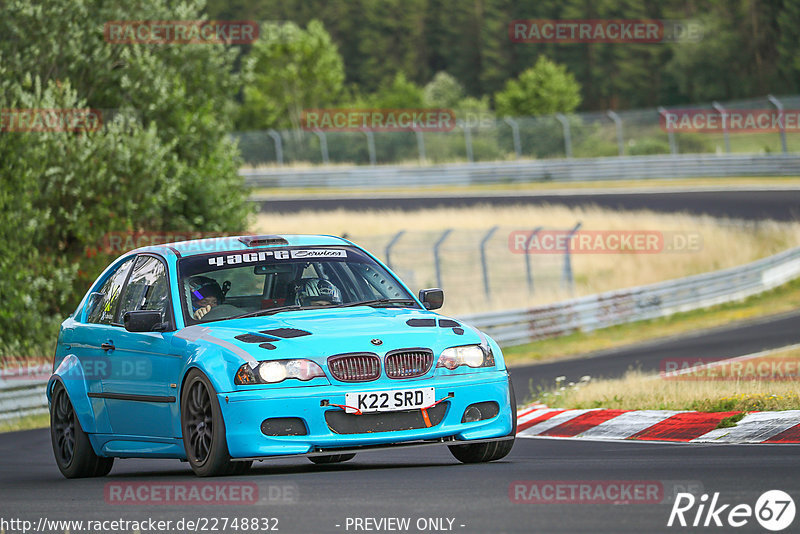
{"x": 476, "y": 268}
{"x": 483, "y": 137}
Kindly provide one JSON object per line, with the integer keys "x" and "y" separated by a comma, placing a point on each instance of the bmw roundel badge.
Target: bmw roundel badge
{"x": 376, "y": 341}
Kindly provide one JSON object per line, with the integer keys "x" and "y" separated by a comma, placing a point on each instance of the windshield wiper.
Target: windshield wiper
{"x": 378, "y": 302}
{"x": 270, "y": 311}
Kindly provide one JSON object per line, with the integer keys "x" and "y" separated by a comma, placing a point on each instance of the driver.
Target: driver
{"x": 315, "y": 292}
{"x": 206, "y": 293}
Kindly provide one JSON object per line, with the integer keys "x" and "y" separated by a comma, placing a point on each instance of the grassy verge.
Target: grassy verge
{"x": 782, "y": 299}
{"x": 640, "y": 391}
{"x": 26, "y": 423}
{"x": 533, "y": 187}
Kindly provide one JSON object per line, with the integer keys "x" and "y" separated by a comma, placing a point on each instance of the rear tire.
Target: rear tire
{"x": 331, "y": 458}
{"x": 72, "y": 450}
{"x": 203, "y": 428}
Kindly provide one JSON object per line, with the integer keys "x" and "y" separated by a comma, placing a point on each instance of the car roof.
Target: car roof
{"x": 209, "y": 245}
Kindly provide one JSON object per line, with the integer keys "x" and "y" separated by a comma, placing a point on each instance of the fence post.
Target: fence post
{"x": 392, "y": 243}
{"x": 420, "y": 145}
{"x": 618, "y": 126}
{"x": 567, "y": 279}
{"x": 515, "y": 134}
{"x": 276, "y": 138}
{"x": 323, "y": 145}
{"x": 567, "y": 135}
{"x": 673, "y": 147}
{"x": 779, "y": 106}
{"x": 370, "y": 145}
{"x": 485, "y": 240}
{"x": 436, "y": 255}
{"x": 725, "y": 134}
{"x": 528, "y": 274}
{"x": 467, "y": 141}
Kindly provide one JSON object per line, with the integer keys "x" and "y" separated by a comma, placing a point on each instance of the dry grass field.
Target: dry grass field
{"x": 722, "y": 244}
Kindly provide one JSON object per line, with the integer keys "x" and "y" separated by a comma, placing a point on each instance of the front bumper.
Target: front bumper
{"x": 244, "y": 412}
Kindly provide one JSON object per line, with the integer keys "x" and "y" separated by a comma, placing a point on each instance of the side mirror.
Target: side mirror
{"x": 432, "y": 299}
{"x": 143, "y": 321}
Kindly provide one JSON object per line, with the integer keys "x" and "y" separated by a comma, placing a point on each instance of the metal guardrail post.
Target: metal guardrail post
{"x": 276, "y": 138}
{"x": 467, "y": 141}
{"x": 725, "y": 134}
{"x": 567, "y": 278}
{"x": 779, "y": 106}
{"x": 618, "y": 127}
{"x": 484, "y": 264}
{"x": 323, "y": 145}
{"x": 528, "y": 273}
{"x": 370, "y": 145}
{"x": 391, "y": 244}
{"x": 515, "y": 134}
{"x": 673, "y": 147}
{"x": 436, "y": 259}
{"x": 420, "y": 145}
{"x": 567, "y": 134}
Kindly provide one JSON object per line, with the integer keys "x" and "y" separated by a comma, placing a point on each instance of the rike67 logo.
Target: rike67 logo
{"x": 774, "y": 510}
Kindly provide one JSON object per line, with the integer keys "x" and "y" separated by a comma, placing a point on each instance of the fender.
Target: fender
{"x": 71, "y": 376}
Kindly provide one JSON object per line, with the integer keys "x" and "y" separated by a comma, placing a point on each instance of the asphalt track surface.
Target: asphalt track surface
{"x": 780, "y": 205}
{"x": 416, "y": 483}
{"x": 428, "y": 483}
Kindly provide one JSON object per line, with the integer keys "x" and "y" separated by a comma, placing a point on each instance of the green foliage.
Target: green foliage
{"x": 292, "y": 69}
{"x": 542, "y": 89}
{"x": 443, "y": 91}
{"x": 161, "y": 161}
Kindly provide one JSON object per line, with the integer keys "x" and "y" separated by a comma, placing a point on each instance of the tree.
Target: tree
{"x": 544, "y": 88}
{"x": 161, "y": 161}
{"x": 292, "y": 70}
{"x": 443, "y": 91}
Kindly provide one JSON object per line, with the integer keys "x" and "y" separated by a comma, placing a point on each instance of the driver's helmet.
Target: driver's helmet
{"x": 309, "y": 290}
{"x": 201, "y": 287}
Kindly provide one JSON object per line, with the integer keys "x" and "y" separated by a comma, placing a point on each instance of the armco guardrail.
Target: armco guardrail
{"x": 18, "y": 400}
{"x": 584, "y": 314}
{"x": 505, "y": 172}
{"x": 639, "y": 303}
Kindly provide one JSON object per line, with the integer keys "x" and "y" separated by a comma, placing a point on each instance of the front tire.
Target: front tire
{"x": 331, "y": 458}
{"x": 73, "y": 453}
{"x": 204, "y": 430}
{"x": 482, "y": 452}
{"x": 493, "y": 450}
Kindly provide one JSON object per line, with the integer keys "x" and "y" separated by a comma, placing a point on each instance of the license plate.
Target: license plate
{"x": 389, "y": 401}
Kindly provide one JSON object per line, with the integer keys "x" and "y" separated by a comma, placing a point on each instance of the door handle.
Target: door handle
{"x": 107, "y": 346}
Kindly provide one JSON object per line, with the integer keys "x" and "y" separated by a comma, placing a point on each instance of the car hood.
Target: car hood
{"x": 317, "y": 334}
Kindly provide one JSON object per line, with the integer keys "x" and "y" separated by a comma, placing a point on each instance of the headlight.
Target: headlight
{"x": 275, "y": 371}
{"x": 470, "y": 355}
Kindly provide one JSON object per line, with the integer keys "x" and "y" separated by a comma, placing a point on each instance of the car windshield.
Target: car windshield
{"x": 234, "y": 284}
